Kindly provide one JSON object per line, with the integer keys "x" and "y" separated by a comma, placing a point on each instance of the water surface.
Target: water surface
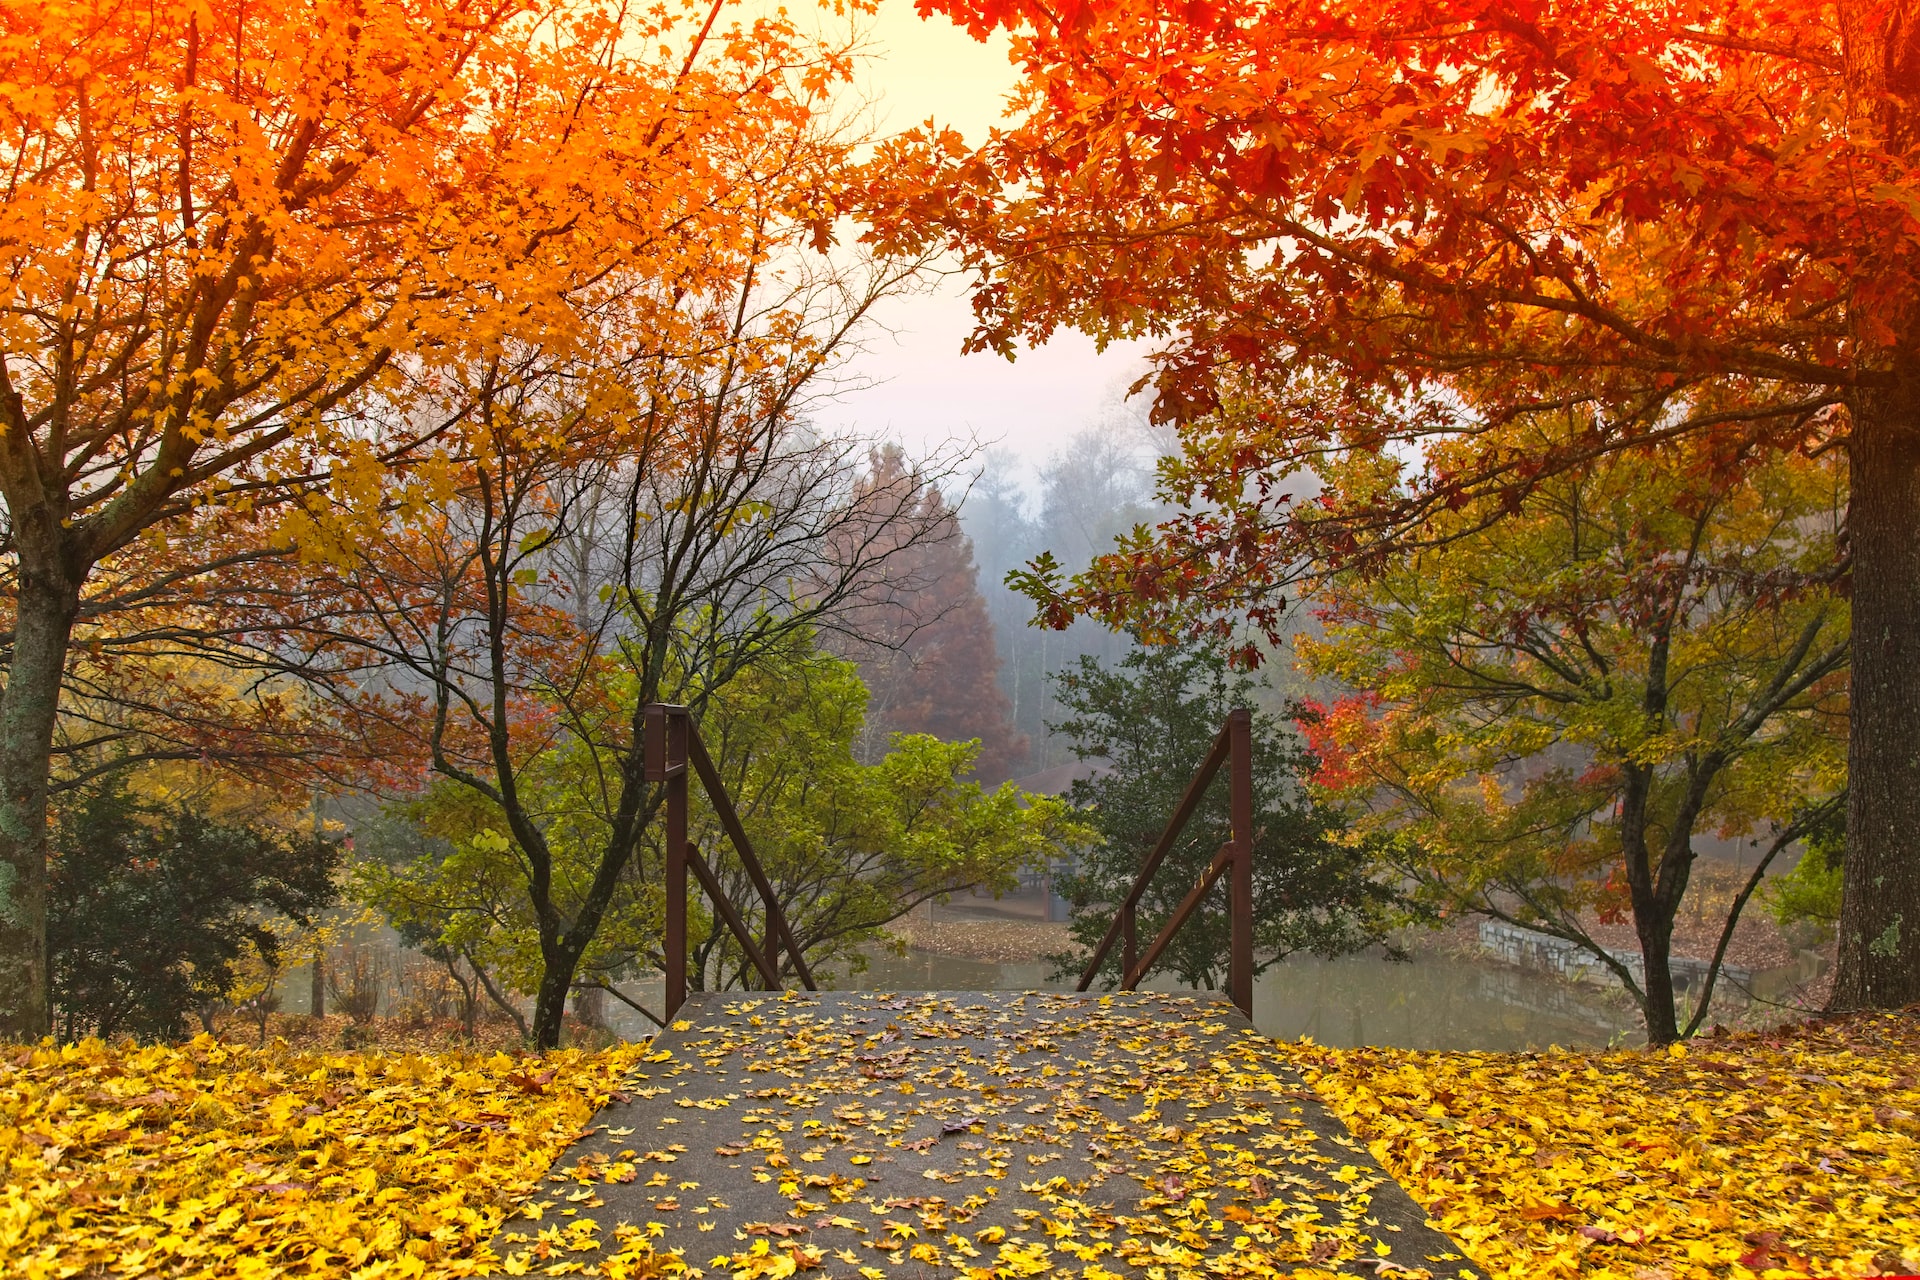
{"x": 1430, "y": 1002}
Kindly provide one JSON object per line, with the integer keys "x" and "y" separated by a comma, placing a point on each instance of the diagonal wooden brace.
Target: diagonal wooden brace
{"x": 724, "y": 905}
{"x": 1188, "y": 905}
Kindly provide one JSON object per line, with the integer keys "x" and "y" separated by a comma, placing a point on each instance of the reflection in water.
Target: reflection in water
{"x": 1430, "y": 1002}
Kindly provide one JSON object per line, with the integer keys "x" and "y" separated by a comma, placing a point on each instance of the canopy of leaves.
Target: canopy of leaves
{"x": 852, "y": 846}
{"x": 152, "y": 904}
{"x": 229, "y": 222}
{"x": 1376, "y": 224}
{"x": 1148, "y": 724}
{"x": 1372, "y": 223}
{"x": 259, "y": 260}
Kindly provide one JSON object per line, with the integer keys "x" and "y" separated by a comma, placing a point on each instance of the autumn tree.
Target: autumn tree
{"x": 240, "y": 237}
{"x": 638, "y": 521}
{"x": 851, "y": 845}
{"x": 1551, "y": 709}
{"x": 847, "y": 845}
{"x": 1695, "y": 222}
{"x": 926, "y": 643}
{"x": 166, "y": 670}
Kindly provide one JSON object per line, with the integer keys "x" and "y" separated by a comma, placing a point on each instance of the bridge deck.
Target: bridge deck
{"x": 971, "y": 1134}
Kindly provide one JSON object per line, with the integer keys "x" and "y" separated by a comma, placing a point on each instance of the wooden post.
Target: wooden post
{"x": 666, "y": 759}
{"x": 1240, "y": 784}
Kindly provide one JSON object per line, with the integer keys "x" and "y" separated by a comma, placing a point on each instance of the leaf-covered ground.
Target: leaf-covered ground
{"x": 1758, "y": 1155}
{"x": 213, "y": 1160}
{"x": 1788, "y": 1154}
{"x": 972, "y": 1136}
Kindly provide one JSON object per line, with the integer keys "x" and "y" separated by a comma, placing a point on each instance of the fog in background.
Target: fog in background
{"x": 1097, "y": 485}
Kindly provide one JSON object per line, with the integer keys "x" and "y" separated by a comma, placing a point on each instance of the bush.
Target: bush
{"x": 354, "y": 978}
{"x": 1809, "y": 895}
{"x": 150, "y": 905}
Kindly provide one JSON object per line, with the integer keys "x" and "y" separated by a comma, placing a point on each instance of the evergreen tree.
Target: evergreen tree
{"x": 151, "y": 905}
{"x": 1149, "y": 722}
{"x": 928, "y": 657}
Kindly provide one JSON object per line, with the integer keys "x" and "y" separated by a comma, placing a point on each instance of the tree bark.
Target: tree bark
{"x": 1879, "y": 960}
{"x": 1652, "y": 918}
{"x": 550, "y": 1003}
{"x": 1656, "y": 958}
{"x": 49, "y": 598}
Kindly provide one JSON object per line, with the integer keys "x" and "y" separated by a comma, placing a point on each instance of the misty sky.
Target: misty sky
{"x": 925, "y": 391}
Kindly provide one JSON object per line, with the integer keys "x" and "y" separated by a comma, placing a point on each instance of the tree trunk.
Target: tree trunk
{"x": 48, "y": 601}
{"x": 1879, "y": 964}
{"x": 550, "y": 1004}
{"x": 1652, "y": 916}
{"x": 1655, "y": 930}
{"x": 317, "y": 989}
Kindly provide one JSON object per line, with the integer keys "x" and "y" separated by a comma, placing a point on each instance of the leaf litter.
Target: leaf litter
{"x": 987, "y": 1135}
{"x": 1791, "y": 1153}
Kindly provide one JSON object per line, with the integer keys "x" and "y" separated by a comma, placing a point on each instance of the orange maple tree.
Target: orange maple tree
{"x": 1361, "y": 225}
{"x": 237, "y": 241}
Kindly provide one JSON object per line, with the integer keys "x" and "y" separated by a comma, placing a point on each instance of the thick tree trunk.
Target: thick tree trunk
{"x": 1879, "y": 963}
{"x": 48, "y": 601}
{"x": 1655, "y": 930}
{"x": 1652, "y": 911}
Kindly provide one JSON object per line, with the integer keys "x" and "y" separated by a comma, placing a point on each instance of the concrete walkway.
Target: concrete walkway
{"x": 970, "y": 1134}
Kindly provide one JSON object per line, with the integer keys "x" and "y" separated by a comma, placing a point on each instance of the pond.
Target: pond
{"x": 1433, "y": 1001}
{"x": 1449, "y": 998}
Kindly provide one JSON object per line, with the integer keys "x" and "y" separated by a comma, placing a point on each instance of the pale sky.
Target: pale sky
{"x": 925, "y": 391}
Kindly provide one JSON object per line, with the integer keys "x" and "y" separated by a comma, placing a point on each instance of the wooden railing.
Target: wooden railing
{"x": 673, "y": 750}
{"x": 1233, "y": 747}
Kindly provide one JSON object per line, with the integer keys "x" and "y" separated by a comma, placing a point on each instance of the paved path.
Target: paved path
{"x": 971, "y": 1135}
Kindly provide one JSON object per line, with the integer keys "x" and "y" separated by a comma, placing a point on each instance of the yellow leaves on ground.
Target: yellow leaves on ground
{"x": 1021, "y": 1150}
{"x": 1790, "y": 1154}
{"x": 1741, "y": 1158}
{"x": 212, "y": 1160}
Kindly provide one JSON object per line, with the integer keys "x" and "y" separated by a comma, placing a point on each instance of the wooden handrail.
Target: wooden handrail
{"x": 724, "y": 905}
{"x": 1233, "y": 746}
{"x": 673, "y": 751}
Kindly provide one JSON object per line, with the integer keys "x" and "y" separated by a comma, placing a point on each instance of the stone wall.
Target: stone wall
{"x": 1531, "y": 949}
